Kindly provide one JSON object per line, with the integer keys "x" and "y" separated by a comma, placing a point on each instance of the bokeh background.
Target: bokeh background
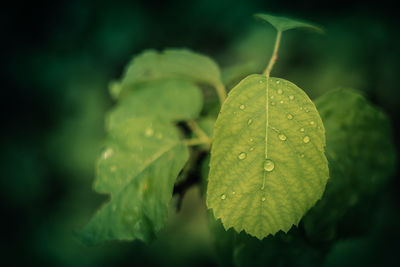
{"x": 58, "y": 57}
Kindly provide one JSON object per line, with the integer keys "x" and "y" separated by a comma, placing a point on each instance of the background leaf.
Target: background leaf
{"x": 139, "y": 167}
{"x": 264, "y": 180}
{"x": 171, "y": 63}
{"x": 354, "y": 128}
{"x": 172, "y": 100}
{"x": 284, "y": 23}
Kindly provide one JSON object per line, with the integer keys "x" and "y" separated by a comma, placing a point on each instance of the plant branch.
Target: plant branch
{"x": 196, "y": 141}
{"x": 221, "y": 92}
{"x": 274, "y": 56}
{"x": 194, "y": 127}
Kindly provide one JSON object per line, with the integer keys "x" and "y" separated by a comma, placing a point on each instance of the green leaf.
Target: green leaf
{"x": 172, "y": 100}
{"x": 284, "y": 23}
{"x": 171, "y": 63}
{"x": 240, "y": 249}
{"x": 267, "y": 161}
{"x": 361, "y": 155}
{"x": 142, "y": 159}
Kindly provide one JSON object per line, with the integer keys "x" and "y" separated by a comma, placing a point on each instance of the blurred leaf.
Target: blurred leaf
{"x": 284, "y": 23}
{"x": 267, "y": 161}
{"x": 171, "y": 63}
{"x": 233, "y": 74}
{"x": 172, "y": 100}
{"x": 139, "y": 167}
{"x": 289, "y": 249}
{"x": 361, "y": 157}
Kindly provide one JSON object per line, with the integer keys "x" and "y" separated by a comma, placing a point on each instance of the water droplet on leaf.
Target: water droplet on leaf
{"x": 306, "y": 139}
{"x": 282, "y": 137}
{"x": 291, "y": 97}
{"x": 108, "y": 153}
{"x": 242, "y": 107}
{"x": 250, "y": 121}
{"x": 290, "y": 116}
{"x": 280, "y": 91}
{"x": 269, "y": 165}
{"x": 263, "y": 199}
{"x": 223, "y": 196}
{"x": 149, "y": 132}
{"x": 242, "y": 155}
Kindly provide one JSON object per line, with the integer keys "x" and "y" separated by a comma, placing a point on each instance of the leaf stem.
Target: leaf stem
{"x": 194, "y": 127}
{"x": 196, "y": 141}
{"x": 274, "y": 56}
{"x": 221, "y": 92}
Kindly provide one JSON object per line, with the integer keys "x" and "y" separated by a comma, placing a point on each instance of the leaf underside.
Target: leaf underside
{"x": 267, "y": 163}
{"x": 284, "y": 23}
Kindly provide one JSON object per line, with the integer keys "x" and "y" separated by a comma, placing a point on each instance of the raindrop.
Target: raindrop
{"x": 302, "y": 130}
{"x": 269, "y": 165}
{"x": 282, "y": 137}
{"x": 301, "y": 155}
{"x": 306, "y": 139}
{"x": 280, "y": 91}
{"x": 312, "y": 122}
{"x": 149, "y": 132}
{"x": 250, "y": 121}
{"x": 233, "y": 192}
{"x": 290, "y": 116}
{"x": 272, "y": 97}
{"x": 251, "y": 139}
{"x": 223, "y": 196}
{"x": 261, "y": 81}
{"x": 281, "y": 101}
{"x": 242, "y": 107}
{"x": 291, "y": 97}
{"x": 306, "y": 110}
{"x": 278, "y": 82}
{"x": 242, "y": 155}
{"x": 251, "y": 148}
{"x": 263, "y": 199}
{"x": 108, "y": 153}
{"x": 273, "y": 103}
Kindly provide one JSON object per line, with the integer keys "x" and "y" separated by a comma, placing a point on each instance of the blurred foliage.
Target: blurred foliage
{"x": 59, "y": 57}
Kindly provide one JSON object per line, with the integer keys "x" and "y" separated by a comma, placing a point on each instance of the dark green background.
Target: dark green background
{"x": 58, "y": 57}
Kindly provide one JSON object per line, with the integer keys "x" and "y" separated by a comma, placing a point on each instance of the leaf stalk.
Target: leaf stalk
{"x": 274, "y": 56}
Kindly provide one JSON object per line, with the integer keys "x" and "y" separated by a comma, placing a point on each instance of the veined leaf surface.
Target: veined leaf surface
{"x": 171, "y": 100}
{"x": 138, "y": 167}
{"x": 171, "y": 63}
{"x": 267, "y": 163}
{"x": 284, "y": 23}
